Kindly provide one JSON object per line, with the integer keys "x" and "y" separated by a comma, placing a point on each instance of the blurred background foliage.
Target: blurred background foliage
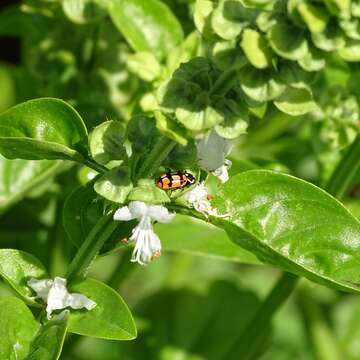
{"x": 183, "y": 301}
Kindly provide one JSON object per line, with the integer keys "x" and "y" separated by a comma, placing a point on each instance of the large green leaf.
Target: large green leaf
{"x": 196, "y": 237}
{"x": 110, "y": 319}
{"x": 48, "y": 343}
{"x": 292, "y": 224}
{"x": 18, "y": 327}
{"x": 43, "y": 128}
{"x": 18, "y": 176}
{"x": 17, "y": 267}
{"x": 147, "y": 25}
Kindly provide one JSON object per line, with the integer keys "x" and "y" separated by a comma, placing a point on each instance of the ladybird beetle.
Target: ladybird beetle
{"x": 175, "y": 180}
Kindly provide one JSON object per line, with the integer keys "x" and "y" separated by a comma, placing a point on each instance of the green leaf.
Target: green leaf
{"x": 106, "y": 142}
{"x": 188, "y": 235}
{"x": 170, "y": 128}
{"x": 235, "y": 118}
{"x": 288, "y": 41}
{"x": 260, "y": 85}
{"x": 114, "y": 185}
{"x": 313, "y": 60}
{"x": 144, "y": 64}
{"x": 292, "y": 224}
{"x": 49, "y": 341}
{"x": 256, "y": 49}
{"x": 314, "y": 16}
{"x": 148, "y": 192}
{"x": 333, "y": 38}
{"x": 110, "y": 319}
{"x": 147, "y": 25}
{"x": 80, "y": 213}
{"x": 296, "y": 102}
{"x": 18, "y": 177}
{"x": 351, "y": 51}
{"x": 18, "y": 327}
{"x": 202, "y": 12}
{"x": 17, "y": 267}
{"x": 230, "y": 17}
{"x": 201, "y": 116}
{"x": 293, "y": 75}
{"x": 43, "y": 128}
{"x": 85, "y": 11}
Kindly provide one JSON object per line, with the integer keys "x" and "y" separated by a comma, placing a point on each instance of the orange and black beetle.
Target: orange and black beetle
{"x": 175, "y": 180}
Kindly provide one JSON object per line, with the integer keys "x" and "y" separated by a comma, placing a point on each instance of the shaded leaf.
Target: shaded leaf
{"x": 49, "y": 341}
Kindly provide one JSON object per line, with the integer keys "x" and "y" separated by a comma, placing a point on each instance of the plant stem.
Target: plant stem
{"x": 91, "y": 246}
{"x": 91, "y": 164}
{"x": 156, "y": 156}
{"x": 249, "y": 342}
{"x": 345, "y": 170}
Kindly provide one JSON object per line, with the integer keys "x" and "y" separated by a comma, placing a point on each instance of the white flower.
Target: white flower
{"x": 212, "y": 152}
{"x": 199, "y": 198}
{"x": 147, "y": 243}
{"x": 57, "y": 297}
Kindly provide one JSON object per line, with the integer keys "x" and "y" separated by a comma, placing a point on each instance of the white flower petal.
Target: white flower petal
{"x": 138, "y": 209}
{"x": 79, "y": 301}
{"x": 147, "y": 244}
{"x": 199, "y": 199}
{"x": 212, "y": 151}
{"x": 57, "y": 296}
{"x": 160, "y": 213}
{"x": 123, "y": 214}
{"x": 222, "y": 174}
{"x": 41, "y": 287}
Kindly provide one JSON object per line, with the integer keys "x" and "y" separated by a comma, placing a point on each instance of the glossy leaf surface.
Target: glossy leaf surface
{"x": 292, "y": 224}
{"x": 43, "y": 128}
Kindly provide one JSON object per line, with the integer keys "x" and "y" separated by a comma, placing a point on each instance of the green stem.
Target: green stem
{"x": 91, "y": 164}
{"x": 250, "y": 340}
{"x": 345, "y": 170}
{"x": 156, "y": 156}
{"x": 91, "y": 246}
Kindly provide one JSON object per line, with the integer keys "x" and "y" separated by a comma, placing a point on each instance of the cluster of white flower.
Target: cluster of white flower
{"x": 147, "y": 243}
{"x": 212, "y": 153}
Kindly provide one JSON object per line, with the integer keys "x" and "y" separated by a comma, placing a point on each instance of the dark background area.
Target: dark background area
{"x": 10, "y": 46}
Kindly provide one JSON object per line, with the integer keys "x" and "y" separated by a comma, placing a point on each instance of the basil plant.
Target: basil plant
{"x": 179, "y": 179}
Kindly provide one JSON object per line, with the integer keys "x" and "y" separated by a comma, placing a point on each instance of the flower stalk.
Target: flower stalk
{"x": 91, "y": 246}
{"x": 156, "y": 156}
